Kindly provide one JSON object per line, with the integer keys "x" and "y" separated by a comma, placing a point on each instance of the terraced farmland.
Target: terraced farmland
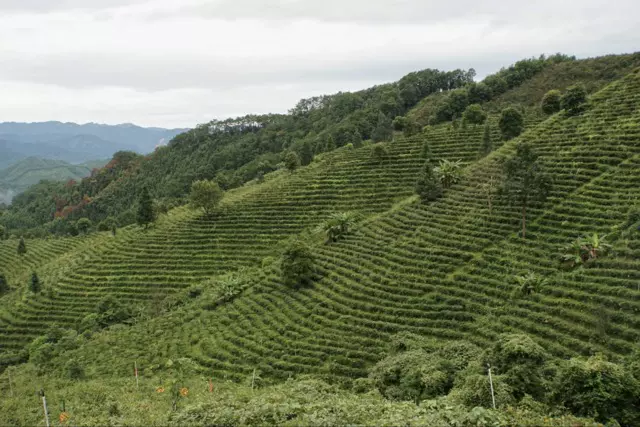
{"x": 444, "y": 270}
{"x": 185, "y": 248}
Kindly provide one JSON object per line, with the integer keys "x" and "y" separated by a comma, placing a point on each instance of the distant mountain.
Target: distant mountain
{"x": 31, "y": 170}
{"x": 76, "y": 143}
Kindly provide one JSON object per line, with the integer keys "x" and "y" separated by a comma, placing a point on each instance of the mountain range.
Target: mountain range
{"x": 76, "y": 143}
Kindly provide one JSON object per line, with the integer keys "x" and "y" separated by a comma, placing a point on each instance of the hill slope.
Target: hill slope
{"x": 31, "y": 170}
{"x": 209, "y": 289}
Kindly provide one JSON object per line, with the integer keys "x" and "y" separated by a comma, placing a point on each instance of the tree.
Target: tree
{"x": 3, "y": 232}
{"x": 487, "y": 146}
{"x": 574, "y": 99}
{"x": 525, "y": 181}
{"x": 595, "y": 387}
{"x": 297, "y": 265}
{"x": 22, "y": 247}
{"x": 551, "y": 102}
{"x": 206, "y": 195}
{"x": 379, "y": 152}
{"x": 331, "y": 144}
{"x": 306, "y": 153}
{"x": 585, "y": 249}
{"x": 426, "y": 151}
{"x": 399, "y": 123}
{"x": 83, "y": 224}
{"x": 511, "y": 123}
{"x": 356, "y": 138}
{"x": 383, "y": 130}
{"x": 474, "y": 114}
{"x": 4, "y": 284}
{"x": 34, "y": 283}
{"x": 291, "y": 161}
{"x": 337, "y": 226}
{"x": 146, "y": 214}
{"x": 448, "y": 172}
{"x": 428, "y": 186}
{"x": 529, "y": 283}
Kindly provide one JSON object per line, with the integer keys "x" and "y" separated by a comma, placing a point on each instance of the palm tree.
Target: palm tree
{"x": 530, "y": 283}
{"x": 449, "y": 172}
{"x": 586, "y": 249}
{"x": 338, "y": 225}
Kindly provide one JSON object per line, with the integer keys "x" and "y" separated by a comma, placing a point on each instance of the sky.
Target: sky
{"x": 177, "y": 63}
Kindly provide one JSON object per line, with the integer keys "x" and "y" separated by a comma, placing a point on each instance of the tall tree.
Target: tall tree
{"x": 551, "y": 102}
{"x": 383, "y": 130}
{"x": 297, "y": 265}
{"x": 574, "y": 99}
{"x": 525, "y": 181}
{"x": 22, "y": 247}
{"x": 145, "y": 215}
{"x": 34, "y": 283}
{"x": 291, "y": 161}
{"x": 428, "y": 186}
{"x": 4, "y": 284}
{"x": 205, "y": 195}
{"x": 511, "y": 123}
{"x": 487, "y": 146}
{"x": 83, "y": 225}
{"x": 306, "y": 153}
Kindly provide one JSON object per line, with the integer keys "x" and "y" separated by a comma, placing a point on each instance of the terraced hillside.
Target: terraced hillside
{"x": 444, "y": 270}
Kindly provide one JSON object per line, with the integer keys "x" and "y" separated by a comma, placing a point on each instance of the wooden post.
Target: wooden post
{"x": 210, "y": 386}
{"x": 10, "y": 385}
{"x": 493, "y": 397}
{"x": 44, "y": 406}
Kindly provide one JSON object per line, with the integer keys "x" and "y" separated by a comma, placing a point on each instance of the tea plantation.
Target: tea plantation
{"x": 401, "y": 314}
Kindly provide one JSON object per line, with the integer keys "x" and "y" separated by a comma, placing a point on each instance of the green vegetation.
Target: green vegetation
{"x": 414, "y": 305}
{"x": 22, "y": 247}
{"x": 146, "y": 214}
{"x": 574, "y": 99}
{"x": 474, "y": 115}
{"x": 297, "y": 265}
{"x": 525, "y": 182}
{"x": 511, "y": 123}
{"x": 429, "y": 186}
{"x": 551, "y": 102}
{"x": 206, "y": 195}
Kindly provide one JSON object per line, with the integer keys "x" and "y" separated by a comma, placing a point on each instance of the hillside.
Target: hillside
{"x": 31, "y": 170}
{"x": 203, "y": 296}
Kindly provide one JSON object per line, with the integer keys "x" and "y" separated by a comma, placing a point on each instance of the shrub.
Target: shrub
{"x": 83, "y": 224}
{"x": 474, "y": 114}
{"x": 511, "y": 123}
{"x": 107, "y": 224}
{"x": 597, "y": 388}
{"x": 22, "y": 247}
{"x": 585, "y": 249}
{"x": 551, "y": 102}
{"x": 379, "y": 153}
{"x": 297, "y": 265}
{"x": 521, "y": 362}
{"x": 574, "y": 99}
{"x": 74, "y": 370}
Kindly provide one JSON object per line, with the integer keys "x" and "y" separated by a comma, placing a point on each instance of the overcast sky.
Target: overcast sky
{"x": 176, "y": 63}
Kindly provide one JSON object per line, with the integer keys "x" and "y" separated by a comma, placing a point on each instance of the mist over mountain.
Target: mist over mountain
{"x": 76, "y": 143}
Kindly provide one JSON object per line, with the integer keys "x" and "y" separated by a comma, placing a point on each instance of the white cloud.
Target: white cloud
{"x": 180, "y": 62}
